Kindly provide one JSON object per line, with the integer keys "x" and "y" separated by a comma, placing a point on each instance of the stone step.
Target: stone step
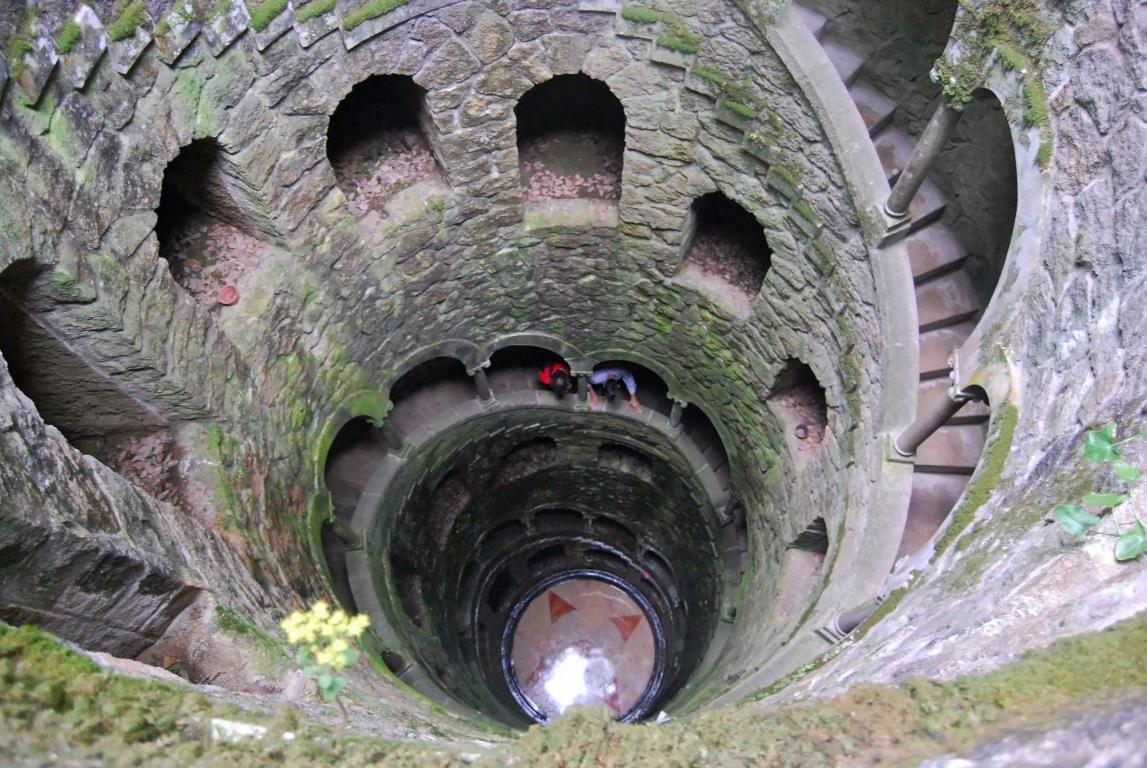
{"x": 945, "y": 301}
{"x": 932, "y": 500}
{"x": 936, "y": 347}
{"x": 952, "y": 449}
{"x": 933, "y": 390}
{"x": 429, "y": 403}
{"x": 893, "y": 147}
{"x": 933, "y": 251}
{"x": 927, "y": 206}
{"x": 845, "y": 60}
{"x": 812, "y": 20}
{"x": 875, "y": 108}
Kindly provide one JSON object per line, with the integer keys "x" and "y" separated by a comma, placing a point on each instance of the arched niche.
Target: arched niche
{"x": 426, "y": 392}
{"x": 378, "y": 144}
{"x": 979, "y": 165}
{"x": 652, "y": 391}
{"x": 515, "y": 368}
{"x": 88, "y": 407}
{"x": 725, "y": 253}
{"x": 213, "y": 230}
{"x": 798, "y": 400}
{"x": 571, "y": 140}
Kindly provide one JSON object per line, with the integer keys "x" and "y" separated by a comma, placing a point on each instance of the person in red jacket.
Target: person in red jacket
{"x": 556, "y": 377}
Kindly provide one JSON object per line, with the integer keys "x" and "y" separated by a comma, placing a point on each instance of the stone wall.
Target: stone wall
{"x": 1014, "y": 581}
{"x": 339, "y": 312}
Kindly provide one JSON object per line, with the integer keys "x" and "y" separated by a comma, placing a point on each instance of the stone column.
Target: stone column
{"x": 676, "y": 413}
{"x": 582, "y": 384}
{"x": 393, "y": 438}
{"x": 478, "y": 373}
{"x": 936, "y": 135}
{"x": 928, "y": 422}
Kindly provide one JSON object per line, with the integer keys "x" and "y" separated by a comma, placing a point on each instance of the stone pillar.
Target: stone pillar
{"x": 478, "y": 373}
{"x": 582, "y": 385}
{"x": 928, "y": 422}
{"x": 936, "y": 135}
{"x": 393, "y": 438}
{"x": 676, "y": 413}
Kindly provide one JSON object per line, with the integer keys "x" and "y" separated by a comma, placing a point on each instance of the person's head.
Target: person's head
{"x": 560, "y": 382}
{"x": 612, "y": 387}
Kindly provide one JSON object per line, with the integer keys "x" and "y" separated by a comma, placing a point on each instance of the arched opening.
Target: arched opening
{"x": 798, "y": 401}
{"x": 517, "y": 368}
{"x": 652, "y": 391}
{"x": 726, "y": 254}
{"x": 571, "y": 138}
{"x": 353, "y": 457}
{"x": 211, "y": 226}
{"x": 379, "y": 148}
{"x": 956, "y": 263}
{"x": 424, "y": 393}
{"x": 87, "y": 406}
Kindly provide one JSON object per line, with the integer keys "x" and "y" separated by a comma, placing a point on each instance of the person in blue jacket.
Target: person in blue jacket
{"x": 609, "y": 382}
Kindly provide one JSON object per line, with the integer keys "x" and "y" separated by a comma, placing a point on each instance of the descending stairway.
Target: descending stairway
{"x": 349, "y": 467}
{"x": 947, "y": 304}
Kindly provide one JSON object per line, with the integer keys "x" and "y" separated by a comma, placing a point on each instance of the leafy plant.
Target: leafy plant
{"x": 1101, "y": 447}
{"x": 324, "y": 639}
{"x": 129, "y": 17}
{"x": 69, "y": 35}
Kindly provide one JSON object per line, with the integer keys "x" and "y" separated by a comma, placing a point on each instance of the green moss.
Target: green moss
{"x": 714, "y": 76}
{"x": 738, "y": 108}
{"x": 677, "y": 35}
{"x": 129, "y": 17}
{"x": 805, "y": 210}
{"x": 264, "y": 12}
{"x": 641, "y": 15}
{"x": 687, "y": 45}
{"x": 987, "y": 478}
{"x": 220, "y": 10}
{"x": 785, "y": 175}
{"x": 68, "y": 37}
{"x": 21, "y": 44}
{"x": 314, "y": 9}
{"x": 370, "y": 10}
{"x": 227, "y": 620}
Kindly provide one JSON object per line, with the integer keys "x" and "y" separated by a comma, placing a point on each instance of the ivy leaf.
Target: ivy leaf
{"x": 324, "y": 681}
{"x": 1132, "y": 544}
{"x": 1126, "y": 471}
{"x": 1100, "y": 445}
{"x": 350, "y": 656}
{"x": 1075, "y": 521}
{"x": 1105, "y": 499}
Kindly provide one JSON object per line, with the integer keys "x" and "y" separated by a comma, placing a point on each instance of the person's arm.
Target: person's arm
{"x": 634, "y": 404}
{"x": 592, "y": 398}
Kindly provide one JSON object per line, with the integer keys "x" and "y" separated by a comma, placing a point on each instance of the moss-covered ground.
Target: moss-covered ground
{"x": 60, "y": 708}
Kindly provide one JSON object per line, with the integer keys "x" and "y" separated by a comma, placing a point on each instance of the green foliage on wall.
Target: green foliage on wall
{"x": 370, "y": 10}
{"x": 129, "y": 16}
{"x": 314, "y": 9}
{"x": 264, "y": 12}
{"x": 69, "y": 35}
{"x": 21, "y": 44}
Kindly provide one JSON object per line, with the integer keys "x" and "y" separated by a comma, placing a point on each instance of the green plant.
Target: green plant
{"x": 324, "y": 639}
{"x": 21, "y": 44}
{"x": 738, "y": 108}
{"x": 129, "y": 16}
{"x": 370, "y": 10}
{"x": 263, "y": 13}
{"x": 68, "y": 37}
{"x": 314, "y": 9}
{"x": 1101, "y": 447}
